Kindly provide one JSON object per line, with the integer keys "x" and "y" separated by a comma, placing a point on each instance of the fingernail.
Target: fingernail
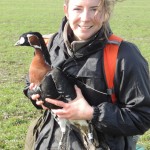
{"x": 47, "y": 99}
{"x": 75, "y": 86}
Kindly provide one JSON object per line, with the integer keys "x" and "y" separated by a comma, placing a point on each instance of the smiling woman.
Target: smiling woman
{"x": 83, "y": 36}
{"x": 88, "y": 16}
{"x": 84, "y": 18}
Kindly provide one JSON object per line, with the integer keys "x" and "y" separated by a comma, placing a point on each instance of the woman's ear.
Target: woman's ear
{"x": 66, "y": 10}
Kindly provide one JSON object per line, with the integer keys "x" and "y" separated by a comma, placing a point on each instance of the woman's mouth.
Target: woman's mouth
{"x": 85, "y": 27}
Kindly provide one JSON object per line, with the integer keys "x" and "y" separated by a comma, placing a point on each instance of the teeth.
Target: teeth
{"x": 85, "y": 27}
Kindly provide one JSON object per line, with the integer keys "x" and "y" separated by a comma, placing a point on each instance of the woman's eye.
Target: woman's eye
{"x": 77, "y": 9}
{"x": 94, "y": 9}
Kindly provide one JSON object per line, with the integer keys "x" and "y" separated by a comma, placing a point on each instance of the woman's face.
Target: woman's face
{"x": 84, "y": 17}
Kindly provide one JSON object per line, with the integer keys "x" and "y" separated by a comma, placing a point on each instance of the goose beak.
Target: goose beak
{"x": 17, "y": 43}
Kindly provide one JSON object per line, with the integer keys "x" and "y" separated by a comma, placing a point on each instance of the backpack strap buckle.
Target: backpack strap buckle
{"x": 110, "y": 91}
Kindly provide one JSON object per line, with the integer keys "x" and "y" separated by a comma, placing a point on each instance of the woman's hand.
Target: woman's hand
{"x": 77, "y": 109}
{"x": 36, "y": 97}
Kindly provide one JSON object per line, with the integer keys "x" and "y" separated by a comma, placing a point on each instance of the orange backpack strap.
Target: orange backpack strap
{"x": 110, "y": 58}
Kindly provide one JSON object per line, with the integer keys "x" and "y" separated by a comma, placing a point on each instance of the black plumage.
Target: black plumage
{"x": 50, "y": 83}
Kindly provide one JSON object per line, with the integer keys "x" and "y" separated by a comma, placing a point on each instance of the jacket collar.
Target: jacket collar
{"x": 80, "y": 48}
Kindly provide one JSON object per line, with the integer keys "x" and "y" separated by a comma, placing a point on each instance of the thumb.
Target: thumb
{"x": 78, "y": 91}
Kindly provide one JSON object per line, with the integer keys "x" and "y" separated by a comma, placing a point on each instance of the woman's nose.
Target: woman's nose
{"x": 85, "y": 16}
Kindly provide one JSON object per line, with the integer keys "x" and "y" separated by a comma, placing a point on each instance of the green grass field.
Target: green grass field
{"x": 130, "y": 20}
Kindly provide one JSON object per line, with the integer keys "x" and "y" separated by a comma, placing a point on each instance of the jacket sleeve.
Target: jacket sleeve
{"x": 131, "y": 114}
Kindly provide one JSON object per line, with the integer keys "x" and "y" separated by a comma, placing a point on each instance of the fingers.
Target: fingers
{"x": 61, "y": 113}
{"x": 35, "y": 96}
{"x": 56, "y": 102}
{"x": 44, "y": 107}
{"x": 40, "y": 103}
{"x": 32, "y": 85}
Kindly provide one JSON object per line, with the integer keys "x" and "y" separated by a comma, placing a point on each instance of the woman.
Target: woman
{"x": 77, "y": 49}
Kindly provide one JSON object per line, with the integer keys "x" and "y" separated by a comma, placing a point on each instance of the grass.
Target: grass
{"x": 130, "y": 20}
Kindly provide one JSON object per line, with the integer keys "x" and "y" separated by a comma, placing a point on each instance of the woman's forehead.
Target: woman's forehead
{"x": 84, "y": 2}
